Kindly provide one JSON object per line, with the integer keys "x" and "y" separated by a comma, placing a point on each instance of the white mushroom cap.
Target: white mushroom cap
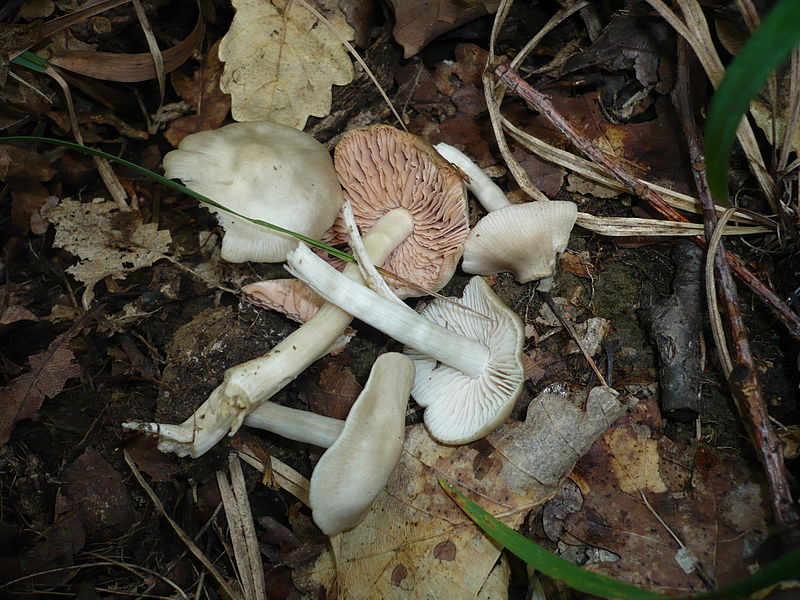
{"x": 354, "y": 470}
{"x": 459, "y": 408}
{"x": 524, "y": 239}
{"x": 264, "y": 171}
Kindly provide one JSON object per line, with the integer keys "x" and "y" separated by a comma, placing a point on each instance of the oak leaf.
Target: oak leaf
{"x": 280, "y": 60}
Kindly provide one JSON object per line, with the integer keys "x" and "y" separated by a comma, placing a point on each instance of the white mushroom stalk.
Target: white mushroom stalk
{"x": 363, "y": 450}
{"x": 295, "y": 424}
{"x": 395, "y": 320}
{"x": 524, "y": 239}
{"x": 247, "y": 385}
{"x": 468, "y": 361}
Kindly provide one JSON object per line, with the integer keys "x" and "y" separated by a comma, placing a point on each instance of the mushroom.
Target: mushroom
{"x": 524, "y": 239}
{"x": 426, "y": 207}
{"x": 363, "y": 450}
{"x": 468, "y": 358}
{"x": 261, "y": 170}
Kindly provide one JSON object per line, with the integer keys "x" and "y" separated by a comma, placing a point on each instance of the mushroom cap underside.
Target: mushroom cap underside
{"x": 461, "y": 409}
{"x": 382, "y": 169}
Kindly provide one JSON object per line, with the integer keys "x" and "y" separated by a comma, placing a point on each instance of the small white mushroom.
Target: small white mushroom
{"x": 363, "y": 450}
{"x": 264, "y": 171}
{"x": 469, "y": 361}
{"x": 524, "y": 239}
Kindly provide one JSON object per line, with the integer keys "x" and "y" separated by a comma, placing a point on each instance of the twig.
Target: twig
{"x": 742, "y": 378}
{"x": 538, "y": 101}
{"x": 575, "y": 337}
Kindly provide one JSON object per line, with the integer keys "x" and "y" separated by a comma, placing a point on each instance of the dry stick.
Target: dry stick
{"x": 742, "y": 379}
{"x": 538, "y": 101}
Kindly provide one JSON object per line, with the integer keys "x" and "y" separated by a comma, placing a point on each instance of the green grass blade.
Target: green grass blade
{"x": 180, "y": 188}
{"x": 769, "y": 45}
{"x": 787, "y": 567}
{"x": 31, "y": 61}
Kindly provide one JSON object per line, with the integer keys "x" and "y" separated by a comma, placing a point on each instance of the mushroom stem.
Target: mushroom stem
{"x": 295, "y": 424}
{"x": 397, "y": 321}
{"x": 483, "y": 188}
{"x": 260, "y": 378}
{"x": 247, "y": 385}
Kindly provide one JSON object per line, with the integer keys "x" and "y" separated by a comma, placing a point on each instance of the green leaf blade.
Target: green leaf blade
{"x": 769, "y": 45}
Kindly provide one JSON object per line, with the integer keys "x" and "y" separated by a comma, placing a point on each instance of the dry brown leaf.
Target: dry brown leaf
{"x": 97, "y": 493}
{"x": 416, "y": 543}
{"x": 107, "y": 242}
{"x": 417, "y": 23}
{"x": 714, "y": 506}
{"x": 280, "y": 61}
{"x": 49, "y": 371}
{"x": 201, "y": 91}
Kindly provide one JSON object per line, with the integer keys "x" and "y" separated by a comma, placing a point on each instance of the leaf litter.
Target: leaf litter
{"x": 709, "y": 501}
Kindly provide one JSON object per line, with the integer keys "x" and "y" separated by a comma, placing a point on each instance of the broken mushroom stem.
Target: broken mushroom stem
{"x": 397, "y": 321}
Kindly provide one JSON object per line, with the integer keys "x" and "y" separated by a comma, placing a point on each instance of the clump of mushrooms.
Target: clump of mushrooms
{"x": 468, "y": 357}
{"x": 261, "y": 170}
{"x": 524, "y": 239}
{"x": 363, "y": 450}
{"x": 412, "y": 205}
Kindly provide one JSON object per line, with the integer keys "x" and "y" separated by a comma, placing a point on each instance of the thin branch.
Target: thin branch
{"x": 742, "y": 378}
{"x": 539, "y": 102}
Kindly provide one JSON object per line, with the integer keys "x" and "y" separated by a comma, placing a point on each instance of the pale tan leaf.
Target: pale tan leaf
{"x": 107, "y": 241}
{"x": 280, "y": 61}
{"x": 416, "y": 543}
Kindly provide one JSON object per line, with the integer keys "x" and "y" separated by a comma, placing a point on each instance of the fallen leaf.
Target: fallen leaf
{"x": 202, "y": 92}
{"x": 107, "y": 242}
{"x": 577, "y": 263}
{"x": 280, "y": 61}
{"x": 97, "y": 493}
{"x": 641, "y": 491}
{"x": 416, "y": 543}
{"x": 49, "y": 371}
{"x": 417, "y": 23}
{"x": 21, "y": 164}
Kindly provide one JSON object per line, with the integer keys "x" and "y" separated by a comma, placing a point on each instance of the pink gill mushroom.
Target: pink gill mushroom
{"x": 265, "y": 171}
{"x": 468, "y": 358}
{"x": 524, "y": 239}
{"x": 363, "y": 450}
{"x": 424, "y": 206}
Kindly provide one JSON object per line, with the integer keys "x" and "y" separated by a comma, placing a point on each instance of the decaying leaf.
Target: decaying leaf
{"x": 416, "y": 543}
{"x": 49, "y": 371}
{"x": 643, "y": 492}
{"x": 107, "y": 242}
{"x": 280, "y": 60}
{"x": 417, "y": 23}
{"x": 201, "y": 91}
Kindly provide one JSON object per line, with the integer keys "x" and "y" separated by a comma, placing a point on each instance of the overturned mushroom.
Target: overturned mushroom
{"x": 362, "y": 451}
{"x": 425, "y": 206}
{"x": 524, "y": 239}
{"x": 469, "y": 360}
{"x": 264, "y": 171}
